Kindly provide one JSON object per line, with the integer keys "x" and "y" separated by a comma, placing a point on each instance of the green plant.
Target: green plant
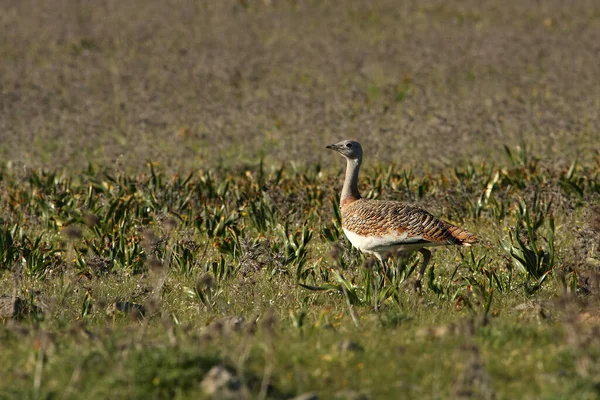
{"x": 293, "y": 245}
{"x": 527, "y": 250}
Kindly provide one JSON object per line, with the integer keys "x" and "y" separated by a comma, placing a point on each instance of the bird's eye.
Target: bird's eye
{"x": 348, "y": 145}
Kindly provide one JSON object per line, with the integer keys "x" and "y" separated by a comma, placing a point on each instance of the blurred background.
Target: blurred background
{"x": 196, "y": 84}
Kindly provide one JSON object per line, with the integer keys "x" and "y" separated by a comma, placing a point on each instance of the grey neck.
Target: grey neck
{"x": 350, "y": 189}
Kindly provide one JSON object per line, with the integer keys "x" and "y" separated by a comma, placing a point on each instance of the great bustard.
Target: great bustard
{"x": 380, "y": 227}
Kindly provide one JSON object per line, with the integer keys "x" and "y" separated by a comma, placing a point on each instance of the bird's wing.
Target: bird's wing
{"x": 411, "y": 225}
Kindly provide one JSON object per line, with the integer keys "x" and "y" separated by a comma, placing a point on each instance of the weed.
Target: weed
{"x": 528, "y": 254}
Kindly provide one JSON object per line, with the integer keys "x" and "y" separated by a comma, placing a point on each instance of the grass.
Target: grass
{"x": 513, "y": 314}
{"x": 168, "y": 212}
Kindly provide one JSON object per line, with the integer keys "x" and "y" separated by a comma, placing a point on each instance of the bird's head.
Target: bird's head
{"x": 348, "y": 148}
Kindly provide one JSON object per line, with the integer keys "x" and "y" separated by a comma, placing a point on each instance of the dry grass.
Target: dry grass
{"x": 191, "y": 84}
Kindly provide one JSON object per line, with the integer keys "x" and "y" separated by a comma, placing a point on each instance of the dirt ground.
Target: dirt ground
{"x": 192, "y": 84}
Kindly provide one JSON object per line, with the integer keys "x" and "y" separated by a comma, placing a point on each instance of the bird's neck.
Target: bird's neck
{"x": 350, "y": 189}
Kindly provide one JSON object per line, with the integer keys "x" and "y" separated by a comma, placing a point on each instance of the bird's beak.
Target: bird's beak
{"x": 330, "y": 147}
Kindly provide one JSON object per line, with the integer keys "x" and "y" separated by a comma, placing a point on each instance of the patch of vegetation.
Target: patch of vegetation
{"x": 169, "y": 217}
{"x": 250, "y": 268}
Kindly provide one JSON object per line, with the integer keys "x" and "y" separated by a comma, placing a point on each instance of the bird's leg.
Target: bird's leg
{"x": 375, "y": 280}
{"x": 383, "y": 261}
{"x": 385, "y": 268}
{"x": 426, "y": 257}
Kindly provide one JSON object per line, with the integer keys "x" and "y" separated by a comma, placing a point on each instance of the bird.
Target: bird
{"x": 382, "y": 227}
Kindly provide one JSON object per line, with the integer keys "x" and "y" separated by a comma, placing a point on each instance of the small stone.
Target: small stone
{"x": 222, "y": 383}
{"x": 228, "y": 324}
{"x": 350, "y": 346}
{"x": 524, "y": 306}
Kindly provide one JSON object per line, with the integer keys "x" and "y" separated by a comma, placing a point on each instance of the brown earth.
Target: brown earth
{"x": 194, "y": 84}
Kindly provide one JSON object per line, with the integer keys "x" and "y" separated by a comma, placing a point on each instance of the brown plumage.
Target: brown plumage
{"x": 381, "y": 217}
{"x": 379, "y": 227}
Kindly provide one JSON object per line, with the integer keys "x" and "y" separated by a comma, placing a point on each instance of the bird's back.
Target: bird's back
{"x": 374, "y": 218}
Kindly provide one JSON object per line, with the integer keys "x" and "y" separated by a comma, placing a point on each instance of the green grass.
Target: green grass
{"x": 513, "y": 314}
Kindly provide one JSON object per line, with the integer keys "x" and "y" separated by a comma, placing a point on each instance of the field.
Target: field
{"x": 169, "y": 217}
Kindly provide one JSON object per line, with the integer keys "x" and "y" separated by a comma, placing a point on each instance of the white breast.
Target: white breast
{"x": 377, "y": 244}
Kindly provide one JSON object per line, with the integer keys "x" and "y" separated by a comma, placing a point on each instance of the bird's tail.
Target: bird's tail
{"x": 462, "y": 236}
